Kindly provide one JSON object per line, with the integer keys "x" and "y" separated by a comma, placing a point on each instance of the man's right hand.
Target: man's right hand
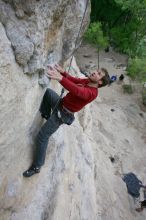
{"x": 59, "y": 68}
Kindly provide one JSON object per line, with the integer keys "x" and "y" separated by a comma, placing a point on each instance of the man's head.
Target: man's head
{"x": 101, "y": 77}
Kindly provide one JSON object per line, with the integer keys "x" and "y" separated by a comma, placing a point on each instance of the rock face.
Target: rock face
{"x": 41, "y": 32}
{"x": 32, "y": 35}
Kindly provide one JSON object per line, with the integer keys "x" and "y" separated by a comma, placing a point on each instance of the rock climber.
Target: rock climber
{"x": 80, "y": 93}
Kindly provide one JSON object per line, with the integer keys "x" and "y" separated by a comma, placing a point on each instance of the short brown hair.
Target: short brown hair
{"x": 105, "y": 79}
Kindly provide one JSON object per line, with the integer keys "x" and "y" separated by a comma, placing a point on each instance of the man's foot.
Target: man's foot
{"x": 31, "y": 171}
{"x": 44, "y": 116}
{"x": 139, "y": 209}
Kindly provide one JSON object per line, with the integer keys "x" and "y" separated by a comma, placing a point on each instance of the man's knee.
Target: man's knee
{"x": 48, "y": 91}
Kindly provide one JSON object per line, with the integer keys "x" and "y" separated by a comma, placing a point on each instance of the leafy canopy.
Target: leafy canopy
{"x": 94, "y": 35}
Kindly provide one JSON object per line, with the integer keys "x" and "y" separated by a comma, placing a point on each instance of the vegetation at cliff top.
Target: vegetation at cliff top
{"x": 121, "y": 24}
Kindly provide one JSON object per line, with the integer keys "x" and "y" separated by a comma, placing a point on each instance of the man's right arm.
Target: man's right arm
{"x": 82, "y": 92}
{"x": 74, "y": 79}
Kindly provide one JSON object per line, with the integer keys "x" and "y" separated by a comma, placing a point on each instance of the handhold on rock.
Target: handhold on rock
{"x": 141, "y": 114}
{"x": 112, "y": 159}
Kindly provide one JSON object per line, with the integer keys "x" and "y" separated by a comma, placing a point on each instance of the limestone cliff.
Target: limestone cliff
{"x": 33, "y": 34}
{"x": 41, "y": 31}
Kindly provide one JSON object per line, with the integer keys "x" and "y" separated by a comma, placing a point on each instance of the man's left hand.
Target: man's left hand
{"x": 54, "y": 74}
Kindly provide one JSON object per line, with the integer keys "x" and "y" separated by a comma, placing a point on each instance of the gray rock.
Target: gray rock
{"x": 144, "y": 94}
{"x": 34, "y": 28}
{"x": 87, "y": 55}
{"x": 110, "y": 60}
{"x": 32, "y": 35}
{"x": 87, "y": 66}
{"x": 19, "y": 13}
{"x": 144, "y": 85}
{"x": 44, "y": 81}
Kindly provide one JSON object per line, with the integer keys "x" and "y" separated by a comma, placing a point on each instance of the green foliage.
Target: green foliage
{"x": 126, "y": 40}
{"x": 94, "y": 35}
{"x": 133, "y": 5}
{"x": 124, "y": 21}
{"x": 104, "y": 11}
{"x": 122, "y": 39}
{"x": 144, "y": 96}
{"x": 141, "y": 49}
{"x": 137, "y": 69}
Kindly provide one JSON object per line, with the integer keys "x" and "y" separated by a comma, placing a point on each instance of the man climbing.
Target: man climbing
{"x": 80, "y": 93}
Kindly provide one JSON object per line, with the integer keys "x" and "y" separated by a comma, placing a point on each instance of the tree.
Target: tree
{"x": 124, "y": 21}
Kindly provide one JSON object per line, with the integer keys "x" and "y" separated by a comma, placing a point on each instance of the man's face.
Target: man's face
{"x": 96, "y": 76}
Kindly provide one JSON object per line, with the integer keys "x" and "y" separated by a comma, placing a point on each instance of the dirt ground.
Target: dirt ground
{"x": 115, "y": 63}
{"x": 113, "y": 97}
{"x": 120, "y": 117}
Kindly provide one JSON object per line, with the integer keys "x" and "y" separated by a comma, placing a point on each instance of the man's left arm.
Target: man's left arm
{"x": 67, "y": 75}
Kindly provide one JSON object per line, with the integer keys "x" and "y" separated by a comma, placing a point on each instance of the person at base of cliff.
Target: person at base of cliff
{"x": 80, "y": 93}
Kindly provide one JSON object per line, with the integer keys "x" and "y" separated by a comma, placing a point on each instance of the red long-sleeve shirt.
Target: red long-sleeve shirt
{"x": 79, "y": 95}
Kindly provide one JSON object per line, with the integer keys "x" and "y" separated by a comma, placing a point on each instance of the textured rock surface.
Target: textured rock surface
{"x": 41, "y": 32}
{"x": 32, "y": 34}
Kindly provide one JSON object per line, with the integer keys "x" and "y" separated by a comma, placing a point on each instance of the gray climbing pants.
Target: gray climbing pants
{"x": 59, "y": 117}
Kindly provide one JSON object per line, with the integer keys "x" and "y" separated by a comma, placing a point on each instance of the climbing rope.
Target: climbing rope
{"x": 77, "y": 39}
{"x": 62, "y": 91}
{"x": 98, "y": 57}
{"x": 79, "y": 33}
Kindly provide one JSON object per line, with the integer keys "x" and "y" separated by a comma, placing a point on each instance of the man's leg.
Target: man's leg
{"x": 48, "y": 103}
{"x": 51, "y": 125}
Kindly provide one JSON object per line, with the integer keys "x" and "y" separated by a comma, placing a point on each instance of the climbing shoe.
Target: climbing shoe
{"x": 31, "y": 171}
{"x": 143, "y": 204}
{"x": 45, "y": 116}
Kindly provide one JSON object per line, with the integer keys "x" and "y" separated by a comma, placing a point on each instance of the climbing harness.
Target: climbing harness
{"x": 62, "y": 91}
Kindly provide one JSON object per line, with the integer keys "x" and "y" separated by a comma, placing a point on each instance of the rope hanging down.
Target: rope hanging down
{"x": 62, "y": 91}
{"x": 98, "y": 57}
{"x": 78, "y": 33}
